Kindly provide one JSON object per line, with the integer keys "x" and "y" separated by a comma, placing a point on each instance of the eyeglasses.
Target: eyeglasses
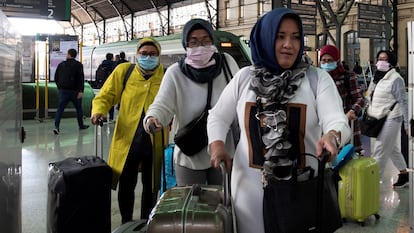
{"x": 146, "y": 54}
{"x": 197, "y": 43}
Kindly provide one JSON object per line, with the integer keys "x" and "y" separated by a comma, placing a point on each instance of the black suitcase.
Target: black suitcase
{"x": 79, "y": 194}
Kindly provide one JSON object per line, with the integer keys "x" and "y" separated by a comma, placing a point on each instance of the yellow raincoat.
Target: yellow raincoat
{"x": 137, "y": 95}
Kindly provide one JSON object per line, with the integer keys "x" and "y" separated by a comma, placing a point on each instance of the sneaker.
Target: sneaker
{"x": 402, "y": 181}
{"x": 83, "y": 127}
{"x": 56, "y": 131}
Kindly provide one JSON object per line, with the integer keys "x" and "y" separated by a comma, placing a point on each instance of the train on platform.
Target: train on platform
{"x": 171, "y": 51}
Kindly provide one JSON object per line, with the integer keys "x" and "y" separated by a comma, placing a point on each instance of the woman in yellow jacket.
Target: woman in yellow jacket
{"x": 131, "y": 146}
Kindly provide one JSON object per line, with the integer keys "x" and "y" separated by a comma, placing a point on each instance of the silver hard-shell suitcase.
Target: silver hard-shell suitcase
{"x": 193, "y": 209}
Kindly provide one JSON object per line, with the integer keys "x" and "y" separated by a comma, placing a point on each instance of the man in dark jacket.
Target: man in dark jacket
{"x": 122, "y": 58}
{"x": 102, "y": 73}
{"x": 105, "y": 69}
{"x": 70, "y": 80}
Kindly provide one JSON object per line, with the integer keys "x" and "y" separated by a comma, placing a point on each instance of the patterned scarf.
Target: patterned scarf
{"x": 273, "y": 93}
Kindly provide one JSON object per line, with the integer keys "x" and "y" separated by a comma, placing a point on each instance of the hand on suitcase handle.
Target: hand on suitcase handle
{"x": 325, "y": 155}
{"x": 97, "y": 119}
{"x": 152, "y": 125}
{"x": 100, "y": 122}
{"x": 152, "y": 128}
{"x": 226, "y": 188}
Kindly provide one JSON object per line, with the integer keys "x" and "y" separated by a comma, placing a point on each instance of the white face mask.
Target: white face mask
{"x": 199, "y": 57}
{"x": 383, "y": 66}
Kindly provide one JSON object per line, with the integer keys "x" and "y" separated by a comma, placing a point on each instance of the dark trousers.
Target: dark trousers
{"x": 139, "y": 153}
{"x": 64, "y": 97}
{"x": 111, "y": 113}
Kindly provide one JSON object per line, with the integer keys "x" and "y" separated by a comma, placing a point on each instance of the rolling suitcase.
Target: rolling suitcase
{"x": 358, "y": 189}
{"x": 193, "y": 209}
{"x": 79, "y": 193}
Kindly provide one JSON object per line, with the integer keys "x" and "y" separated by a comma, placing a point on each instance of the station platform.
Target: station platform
{"x": 42, "y": 146}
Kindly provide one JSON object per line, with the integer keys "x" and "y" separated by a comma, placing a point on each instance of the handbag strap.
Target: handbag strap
{"x": 210, "y": 90}
{"x": 226, "y": 68}
{"x": 392, "y": 107}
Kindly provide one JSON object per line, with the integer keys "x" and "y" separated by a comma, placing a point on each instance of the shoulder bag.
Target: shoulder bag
{"x": 192, "y": 138}
{"x": 372, "y": 126}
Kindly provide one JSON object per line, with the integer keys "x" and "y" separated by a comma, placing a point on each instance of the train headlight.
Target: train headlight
{"x": 226, "y": 44}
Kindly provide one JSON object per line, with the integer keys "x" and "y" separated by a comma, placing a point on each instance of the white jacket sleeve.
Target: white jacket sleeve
{"x": 224, "y": 112}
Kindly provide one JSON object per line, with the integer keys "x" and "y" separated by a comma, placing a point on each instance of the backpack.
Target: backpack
{"x": 101, "y": 74}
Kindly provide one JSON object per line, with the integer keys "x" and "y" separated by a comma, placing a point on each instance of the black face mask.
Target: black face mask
{"x": 379, "y": 75}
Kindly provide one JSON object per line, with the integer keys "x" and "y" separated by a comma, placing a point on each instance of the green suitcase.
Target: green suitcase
{"x": 358, "y": 189}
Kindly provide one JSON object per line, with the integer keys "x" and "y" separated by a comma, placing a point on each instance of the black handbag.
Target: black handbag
{"x": 192, "y": 138}
{"x": 292, "y": 206}
{"x": 372, "y": 126}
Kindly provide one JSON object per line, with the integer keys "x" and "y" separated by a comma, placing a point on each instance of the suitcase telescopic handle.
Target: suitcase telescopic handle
{"x": 226, "y": 188}
{"x": 352, "y": 131}
{"x": 152, "y": 128}
{"x": 324, "y": 157}
{"x": 98, "y": 144}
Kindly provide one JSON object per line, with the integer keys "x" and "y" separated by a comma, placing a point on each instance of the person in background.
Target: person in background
{"x": 120, "y": 61}
{"x": 121, "y": 58}
{"x": 102, "y": 74}
{"x": 357, "y": 68}
{"x": 257, "y": 95}
{"x": 69, "y": 78}
{"x": 347, "y": 85}
{"x": 131, "y": 146}
{"x": 386, "y": 89}
{"x": 183, "y": 95}
{"x": 346, "y": 67}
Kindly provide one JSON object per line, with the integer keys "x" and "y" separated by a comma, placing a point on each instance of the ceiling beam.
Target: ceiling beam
{"x": 89, "y": 15}
{"x": 120, "y": 15}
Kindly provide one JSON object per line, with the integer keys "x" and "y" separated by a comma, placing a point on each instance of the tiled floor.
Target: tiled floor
{"x": 42, "y": 146}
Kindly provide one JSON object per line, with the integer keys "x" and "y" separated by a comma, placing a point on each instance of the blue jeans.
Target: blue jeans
{"x": 64, "y": 97}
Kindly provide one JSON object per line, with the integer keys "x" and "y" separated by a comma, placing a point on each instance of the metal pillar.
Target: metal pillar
{"x": 410, "y": 30}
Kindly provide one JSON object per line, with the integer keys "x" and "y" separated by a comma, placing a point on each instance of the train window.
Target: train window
{"x": 237, "y": 54}
{"x": 170, "y": 59}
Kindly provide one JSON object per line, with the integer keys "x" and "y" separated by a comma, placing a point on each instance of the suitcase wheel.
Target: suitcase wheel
{"x": 377, "y": 216}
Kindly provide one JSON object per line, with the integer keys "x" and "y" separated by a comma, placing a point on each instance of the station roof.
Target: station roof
{"x": 95, "y": 11}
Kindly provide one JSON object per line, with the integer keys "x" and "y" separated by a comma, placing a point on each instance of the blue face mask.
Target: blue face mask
{"x": 329, "y": 66}
{"x": 148, "y": 62}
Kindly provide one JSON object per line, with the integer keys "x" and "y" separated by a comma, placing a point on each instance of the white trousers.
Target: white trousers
{"x": 388, "y": 146}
